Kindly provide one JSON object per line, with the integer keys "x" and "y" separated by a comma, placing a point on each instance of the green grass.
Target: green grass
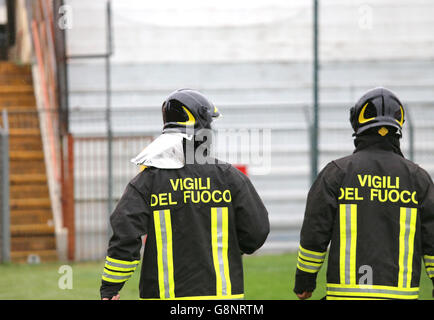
{"x": 268, "y": 277}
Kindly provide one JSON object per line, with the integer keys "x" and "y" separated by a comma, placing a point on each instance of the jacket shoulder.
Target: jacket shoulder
{"x": 143, "y": 180}
{"x": 343, "y": 162}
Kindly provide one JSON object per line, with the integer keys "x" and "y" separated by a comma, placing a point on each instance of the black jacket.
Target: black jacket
{"x": 198, "y": 220}
{"x": 376, "y": 210}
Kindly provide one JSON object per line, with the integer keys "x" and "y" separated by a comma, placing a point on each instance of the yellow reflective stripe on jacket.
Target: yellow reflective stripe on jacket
{"x": 307, "y": 266}
{"x": 429, "y": 260}
{"x": 348, "y": 243}
{"x": 350, "y": 298}
{"x": 309, "y": 258}
{"x": 407, "y": 229}
{"x": 120, "y": 265}
{"x": 163, "y": 235}
{"x": 117, "y": 271}
{"x": 216, "y": 297}
{"x": 116, "y": 277}
{"x": 125, "y": 262}
{"x": 312, "y": 255}
{"x": 219, "y": 240}
{"x": 430, "y": 272}
{"x": 374, "y": 291}
{"x": 310, "y": 261}
{"x": 105, "y": 278}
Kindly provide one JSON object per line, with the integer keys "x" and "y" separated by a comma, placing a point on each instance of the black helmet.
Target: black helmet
{"x": 188, "y": 108}
{"x": 378, "y": 107}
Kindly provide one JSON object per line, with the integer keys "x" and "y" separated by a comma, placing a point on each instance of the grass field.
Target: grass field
{"x": 267, "y": 277}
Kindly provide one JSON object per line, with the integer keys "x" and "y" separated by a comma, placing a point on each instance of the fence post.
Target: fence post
{"x": 315, "y": 124}
{"x": 4, "y": 172}
{"x": 108, "y": 117}
{"x": 69, "y": 201}
{"x": 411, "y": 135}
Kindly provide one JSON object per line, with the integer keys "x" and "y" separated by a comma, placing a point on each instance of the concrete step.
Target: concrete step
{"x": 9, "y": 68}
{"x": 16, "y": 79}
{"x": 20, "y": 179}
{"x": 17, "y": 101}
{"x": 28, "y": 230}
{"x": 16, "y": 89}
{"x": 33, "y": 243}
{"x": 30, "y": 216}
{"x": 30, "y": 203}
{"x": 26, "y": 190}
{"x": 24, "y": 132}
{"x": 27, "y": 166}
{"x": 32, "y": 230}
{"x": 41, "y": 255}
{"x": 26, "y": 155}
{"x": 25, "y": 143}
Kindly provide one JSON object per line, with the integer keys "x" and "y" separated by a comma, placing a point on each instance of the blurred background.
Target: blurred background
{"x": 82, "y": 83}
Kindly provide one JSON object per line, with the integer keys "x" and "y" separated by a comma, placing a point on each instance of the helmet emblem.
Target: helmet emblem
{"x": 383, "y": 131}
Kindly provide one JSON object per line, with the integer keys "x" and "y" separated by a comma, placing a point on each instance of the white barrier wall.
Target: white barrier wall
{"x": 253, "y": 30}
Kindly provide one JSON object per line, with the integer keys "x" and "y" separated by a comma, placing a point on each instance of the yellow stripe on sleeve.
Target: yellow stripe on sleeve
{"x": 159, "y": 243}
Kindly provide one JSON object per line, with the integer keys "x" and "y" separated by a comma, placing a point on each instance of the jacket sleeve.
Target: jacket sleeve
{"x": 316, "y": 231}
{"x": 129, "y": 222}
{"x": 426, "y": 205}
{"x": 251, "y": 216}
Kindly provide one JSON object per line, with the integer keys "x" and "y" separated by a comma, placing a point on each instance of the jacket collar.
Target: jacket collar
{"x": 375, "y": 141}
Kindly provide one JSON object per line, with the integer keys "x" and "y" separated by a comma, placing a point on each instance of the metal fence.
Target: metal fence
{"x": 283, "y": 188}
{"x": 4, "y": 190}
{"x": 91, "y": 184}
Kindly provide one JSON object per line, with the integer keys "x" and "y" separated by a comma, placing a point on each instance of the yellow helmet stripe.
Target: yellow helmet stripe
{"x": 362, "y": 118}
{"x": 191, "y": 120}
{"x": 402, "y": 117}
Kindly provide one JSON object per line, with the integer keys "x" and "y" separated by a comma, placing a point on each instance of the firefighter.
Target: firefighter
{"x": 199, "y": 217}
{"x": 375, "y": 208}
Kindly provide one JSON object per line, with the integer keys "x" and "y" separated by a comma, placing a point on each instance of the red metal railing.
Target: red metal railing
{"x": 44, "y": 45}
{"x": 43, "y": 41}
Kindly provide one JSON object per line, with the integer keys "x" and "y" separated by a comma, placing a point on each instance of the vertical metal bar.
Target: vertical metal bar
{"x": 62, "y": 71}
{"x": 411, "y": 135}
{"x": 71, "y": 207}
{"x": 108, "y": 116}
{"x": 6, "y": 239}
{"x": 314, "y": 140}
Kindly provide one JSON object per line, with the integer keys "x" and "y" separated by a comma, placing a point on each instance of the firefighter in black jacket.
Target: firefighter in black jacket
{"x": 198, "y": 217}
{"x": 375, "y": 208}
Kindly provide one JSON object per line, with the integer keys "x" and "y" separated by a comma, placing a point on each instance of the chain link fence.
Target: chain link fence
{"x": 92, "y": 229}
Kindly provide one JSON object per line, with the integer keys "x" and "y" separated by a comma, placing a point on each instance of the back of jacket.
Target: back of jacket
{"x": 376, "y": 209}
{"x": 198, "y": 220}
